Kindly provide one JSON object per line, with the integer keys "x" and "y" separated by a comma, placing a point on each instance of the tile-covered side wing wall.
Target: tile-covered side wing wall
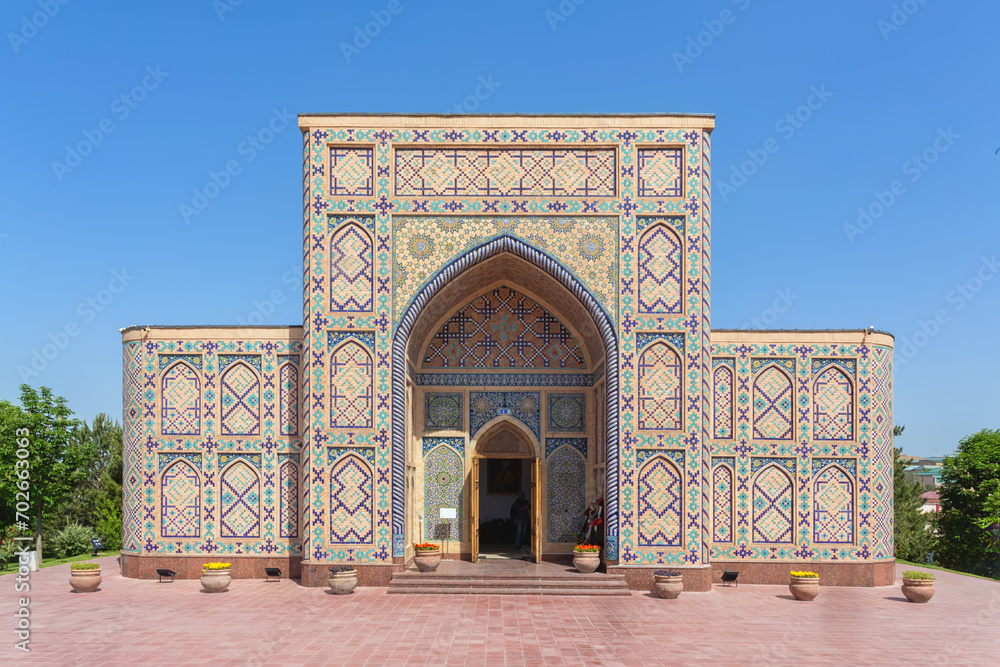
{"x": 825, "y": 491}
{"x": 205, "y": 459}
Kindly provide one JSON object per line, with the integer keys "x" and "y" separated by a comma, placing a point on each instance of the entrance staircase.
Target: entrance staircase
{"x": 506, "y": 578}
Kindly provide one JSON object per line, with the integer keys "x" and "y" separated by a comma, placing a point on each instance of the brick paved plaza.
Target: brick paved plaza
{"x": 144, "y": 622}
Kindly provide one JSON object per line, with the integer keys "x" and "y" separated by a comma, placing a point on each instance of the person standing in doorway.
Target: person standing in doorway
{"x": 520, "y": 512}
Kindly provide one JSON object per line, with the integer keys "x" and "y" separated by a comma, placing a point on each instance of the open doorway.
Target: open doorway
{"x": 506, "y": 513}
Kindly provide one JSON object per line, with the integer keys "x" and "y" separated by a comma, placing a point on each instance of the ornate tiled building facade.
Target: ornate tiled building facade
{"x": 508, "y": 286}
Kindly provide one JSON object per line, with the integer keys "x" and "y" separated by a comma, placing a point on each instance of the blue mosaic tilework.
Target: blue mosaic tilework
{"x": 565, "y": 490}
{"x": 504, "y": 379}
{"x": 458, "y": 444}
{"x": 335, "y": 338}
{"x": 250, "y": 457}
{"x": 444, "y": 483}
{"x": 193, "y": 360}
{"x": 225, "y": 360}
{"x": 166, "y": 458}
{"x": 442, "y": 411}
{"x": 525, "y": 406}
{"x": 579, "y": 444}
{"x": 566, "y": 412}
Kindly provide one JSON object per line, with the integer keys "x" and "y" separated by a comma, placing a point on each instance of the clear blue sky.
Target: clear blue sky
{"x": 890, "y": 91}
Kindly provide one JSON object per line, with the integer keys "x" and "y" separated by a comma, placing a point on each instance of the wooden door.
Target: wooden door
{"x": 474, "y": 504}
{"x": 536, "y": 511}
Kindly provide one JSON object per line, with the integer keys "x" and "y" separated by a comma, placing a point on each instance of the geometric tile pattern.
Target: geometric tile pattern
{"x": 525, "y": 406}
{"x": 444, "y": 482}
{"x": 722, "y": 508}
{"x": 833, "y": 507}
{"x": 660, "y": 265}
{"x": 288, "y": 405}
{"x": 351, "y": 171}
{"x": 722, "y": 383}
{"x": 458, "y": 444}
{"x": 660, "y": 504}
{"x": 180, "y": 501}
{"x": 585, "y": 246}
{"x": 566, "y": 496}
{"x": 566, "y": 412}
{"x": 772, "y": 405}
{"x": 132, "y": 456}
{"x": 503, "y": 329}
{"x": 239, "y": 500}
{"x": 659, "y": 388}
{"x": 350, "y": 270}
{"x": 772, "y": 506}
{"x": 288, "y": 514}
{"x": 434, "y": 172}
{"x": 442, "y": 412}
{"x": 240, "y": 401}
{"x": 166, "y": 458}
{"x": 661, "y": 172}
{"x": 181, "y": 396}
{"x": 833, "y": 406}
{"x": 351, "y": 496}
{"x": 351, "y": 374}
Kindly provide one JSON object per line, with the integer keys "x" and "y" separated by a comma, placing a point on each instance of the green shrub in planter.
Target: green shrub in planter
{"x": 85, "y": 566}
{"x": 916, "y": 574}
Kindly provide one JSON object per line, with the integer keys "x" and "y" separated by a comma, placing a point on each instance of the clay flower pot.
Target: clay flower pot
{"x": 343, "y": 582}
{"x": 804, "y": 588}
{"x": 427, "y": 560}
{"x": 586, "y": 561}
{"x": 668, "y": 587}
{"x": 215, "y": 581}
{"x": 85, "y": 581}
{"x": 918, "y": 590}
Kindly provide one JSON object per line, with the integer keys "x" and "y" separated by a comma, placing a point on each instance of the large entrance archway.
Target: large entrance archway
{"x": 504, "y": 262}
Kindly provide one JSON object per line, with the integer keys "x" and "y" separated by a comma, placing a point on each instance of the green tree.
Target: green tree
{"x": 913, "y": 537}
{"x": 98, "y": 449}
{"x": 43, "y": 427}
{"x": 969, "y": 488}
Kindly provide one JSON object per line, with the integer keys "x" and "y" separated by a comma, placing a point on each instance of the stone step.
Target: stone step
{"x": 418, "y": 576}
{"x": 507, "y": 583}
{"x": 465, "y": 582}
{"x": 484, "y": 590}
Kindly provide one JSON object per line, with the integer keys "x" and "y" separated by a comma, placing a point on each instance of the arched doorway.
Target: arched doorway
{"x": 506, "y": 463}
{"x": 505, "y": 262}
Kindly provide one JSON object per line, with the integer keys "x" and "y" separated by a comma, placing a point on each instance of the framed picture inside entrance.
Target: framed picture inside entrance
{"x": 503, "y": 476}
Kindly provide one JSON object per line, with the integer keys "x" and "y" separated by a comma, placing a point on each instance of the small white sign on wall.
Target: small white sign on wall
{"x": 449, "y": 513}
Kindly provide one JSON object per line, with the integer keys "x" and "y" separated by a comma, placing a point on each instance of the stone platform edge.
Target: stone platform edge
{"x": 866, "y": 574}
